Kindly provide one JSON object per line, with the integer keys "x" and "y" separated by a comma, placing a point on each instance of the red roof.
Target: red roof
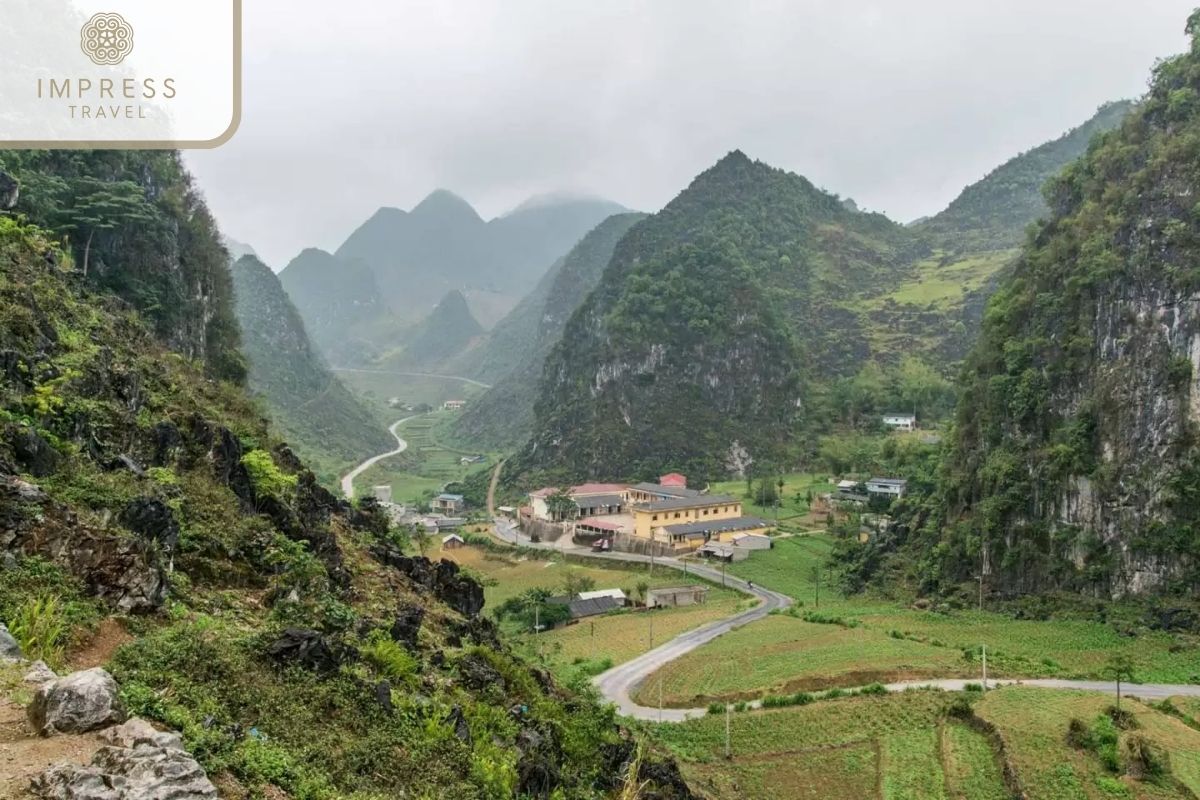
{"x": 546, "y": 492}
{"x": 600, "y": 524}
{"x": 598, "y": 488}
{"x": 673, "y": 479}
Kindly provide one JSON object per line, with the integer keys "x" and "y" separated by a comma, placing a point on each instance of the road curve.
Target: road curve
{"x": 460, "y": 378}
{"x": 401, "y": 446}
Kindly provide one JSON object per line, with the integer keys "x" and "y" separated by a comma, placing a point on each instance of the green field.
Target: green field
{"x": 615, "y": 637}
{"x": 942, "y": 282}
{"x": 794, "y": 507}
{"x": 377, "y": 388}
{"x": 866, "y": 639}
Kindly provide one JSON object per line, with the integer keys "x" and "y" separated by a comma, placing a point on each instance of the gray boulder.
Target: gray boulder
{"x": 80, "y": 702}
{"x": 10, "y": 191}
{"x": 9, "y": 649}
{"x": 145, "y": 764}
{"x": 40, "y": 673}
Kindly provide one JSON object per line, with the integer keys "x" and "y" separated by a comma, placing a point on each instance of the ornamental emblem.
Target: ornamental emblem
{"x": 107, "y": 39}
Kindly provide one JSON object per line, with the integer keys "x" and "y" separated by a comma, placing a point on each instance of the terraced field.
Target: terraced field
{"x": 899, "y": 747}
{"x": 426, "y": 466}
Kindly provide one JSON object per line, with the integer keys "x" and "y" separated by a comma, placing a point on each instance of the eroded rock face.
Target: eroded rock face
{"x": 309, "y": 649}
{"x": 10, "y": 191}
{"x": 78, "y": 703}
{"x": 141, "y": 764}
{"x": 152, "y": 519}
{"x": 454, "y": 589}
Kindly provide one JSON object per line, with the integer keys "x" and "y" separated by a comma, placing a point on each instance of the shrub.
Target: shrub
{"x": 389, "y": 658}
{"x": 960, "y": 708}
{"x": 40, "y": 627}
{"x": 1123, "y": 718}
{"x": 875, "y": 689}
{"x": 972, "y": 687}
{"x": 834, "y": 694}
{"x": 265, "y": 477}
{"x": 1144, "y": 760}
{"x": 741, "y": 705}
{"x": 1078, "y": 735}
{"x": 716, "y": 708}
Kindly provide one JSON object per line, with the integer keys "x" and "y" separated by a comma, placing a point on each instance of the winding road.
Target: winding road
{"x": 401, "y": 446}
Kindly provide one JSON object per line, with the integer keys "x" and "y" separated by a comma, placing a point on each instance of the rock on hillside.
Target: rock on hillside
{"x": 310, "y": 406}
{"x": 1074, "y": 458}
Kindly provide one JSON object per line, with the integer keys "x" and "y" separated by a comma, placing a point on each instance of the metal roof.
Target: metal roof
{"x": 598, "y": 500}
{"x": 717, "y": 526}
{"x": 701, "y": 501}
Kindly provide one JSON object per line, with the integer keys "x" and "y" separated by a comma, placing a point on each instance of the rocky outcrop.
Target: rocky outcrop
{"x": 39, "y": 674}
{"x": 141, "y": 764}
{"x": 443, "y": 579}
{"x": 10, "y": 191}
{"x": 10, "y": 650}
{"x": 153, "y": 520}
{"x": 78, "y": 703}
{"x": 408, "y": 625}
{"x": 309, "y": 649}
{"x": 124, "y": 571}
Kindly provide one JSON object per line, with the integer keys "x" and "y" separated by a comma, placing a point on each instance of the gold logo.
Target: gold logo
{"x": 107, "y": 39}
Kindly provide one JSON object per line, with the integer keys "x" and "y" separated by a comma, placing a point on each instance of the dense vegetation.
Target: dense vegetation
{"x": 514, "y": 351}
{"x": 135, "y": 225}
{"x": 1072, "y": 462}
{"x": 326, "y": 424}
{"x": 281, "y": 630}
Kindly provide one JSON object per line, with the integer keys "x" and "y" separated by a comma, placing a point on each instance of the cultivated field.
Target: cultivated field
{"x": 899, "y": 747}
{"x": 614, "y": 638}
{"x": 425, "y": 467}
{"x": 863, "y": 639}
{"x": 928, "y": 746}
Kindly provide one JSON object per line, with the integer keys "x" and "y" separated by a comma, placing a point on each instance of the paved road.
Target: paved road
{"x": 460, "y": 378}
{"x": 401, "y": 446}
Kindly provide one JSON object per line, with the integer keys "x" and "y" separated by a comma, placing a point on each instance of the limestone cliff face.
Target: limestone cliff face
{"x": 1074, "y": 463}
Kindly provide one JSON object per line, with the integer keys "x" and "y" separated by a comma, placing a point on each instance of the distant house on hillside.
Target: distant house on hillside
{"x": 676, "y": 596}
{"x": 453, "y": 542}
{"x": 887, "y": 487}
{"x": 673, "y": 479}
{"x": 448, "y": 503}
{"x": 579, "y": 607}
{"x": 900, "y": 422}
{"x": 454, "y": 405}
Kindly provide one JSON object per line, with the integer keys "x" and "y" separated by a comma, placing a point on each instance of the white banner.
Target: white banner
{"x": 119, "y": 73}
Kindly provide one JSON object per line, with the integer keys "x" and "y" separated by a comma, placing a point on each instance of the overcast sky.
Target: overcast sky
{"x": 355, "y": 104}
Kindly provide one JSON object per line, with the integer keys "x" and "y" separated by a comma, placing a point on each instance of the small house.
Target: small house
{"x": 453, "y": 542}
{"x": 900, "y": 422}
{"x": 887, "y": 487}
{"x": 448, "y": 503}
{"x": 580, "y": 607}
{"x": 673, "y": 480}
{"x": 715, "y": 551}
{"x": 615, "y": 594}
{"x": 676, "y": 596}
{"x": 752, "y": 541}
{"x": 454, "y": 405}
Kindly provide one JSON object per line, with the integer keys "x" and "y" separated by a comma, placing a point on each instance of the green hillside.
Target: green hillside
{"x": 513, "y": 353}
{"x": 325, "y": 423}
{"x": 448, "y": 330}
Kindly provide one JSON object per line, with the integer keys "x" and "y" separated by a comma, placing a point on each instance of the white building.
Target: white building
{"x": 900, "y": 422}
{"x": 615, "y": 594}
{"x": 887, "y": 487}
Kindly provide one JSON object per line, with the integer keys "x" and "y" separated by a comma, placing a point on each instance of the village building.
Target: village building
{"x": 448, "y": 503}
{"x": 453, "y": 542}
{"x": 887, "y": 487}
{"x": 723, "y": 552}
{"x": 580, "y": 607}
{"x": 591, "y": 499}
{"x": 688, "y": 522}
{"x": 454, "y": 405}
{"x": 900, "y": 422}
{"x": 676, "y": 596}
{"x": 615, "y": 594}
{"x": 752, "y": 541}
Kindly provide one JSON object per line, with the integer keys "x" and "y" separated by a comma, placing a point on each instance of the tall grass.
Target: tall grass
{"x": 40, "y": 627}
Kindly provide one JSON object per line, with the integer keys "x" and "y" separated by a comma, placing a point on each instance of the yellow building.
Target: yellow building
{"x": 687, "y": 523}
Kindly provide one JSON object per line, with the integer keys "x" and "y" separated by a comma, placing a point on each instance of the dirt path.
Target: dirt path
{"x": 491, "y": 496}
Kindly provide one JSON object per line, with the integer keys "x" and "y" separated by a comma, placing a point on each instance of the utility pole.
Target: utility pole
{"x": 728, "y": 749}
{"x": 722, "y": 572}
{"x": 981, "y": 590}
{"x": 650, "y": 616}
{"x": 660, "y": 704}
{"x": 985, "y": 667}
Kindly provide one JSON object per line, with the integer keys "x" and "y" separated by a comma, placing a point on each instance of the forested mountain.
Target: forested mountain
{"x": 512, "y": 356}
{"x": 283, "y": 632}
{"x": 695, "y": 344}
{"x": 341, "y": 306}
{"x": 447, "y": 331}
{"x": 325, "y": 423}
{"x": 444, "y": 245}
{"x": 1074, "y": 458}
{"x": 992, "y": 213}
{"x": 135, "y": 225}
